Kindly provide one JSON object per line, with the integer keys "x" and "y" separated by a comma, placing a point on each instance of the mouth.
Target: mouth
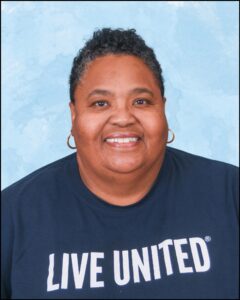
{"x": 123, "y": 140}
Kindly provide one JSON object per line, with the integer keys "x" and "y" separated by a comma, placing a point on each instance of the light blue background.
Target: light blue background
{"x": 195, "y": 42}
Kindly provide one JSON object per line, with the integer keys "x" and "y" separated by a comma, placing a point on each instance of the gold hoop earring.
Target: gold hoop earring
{"x": 68, "y": 142}
{"x": 173, "y": 136}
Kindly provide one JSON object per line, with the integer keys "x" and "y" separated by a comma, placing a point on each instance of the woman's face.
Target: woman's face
{"x": 118, "y": 119}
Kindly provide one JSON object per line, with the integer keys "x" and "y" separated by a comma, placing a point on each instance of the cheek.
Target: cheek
{"x": 155, "y": 127}
{"x": 86, "y": 128}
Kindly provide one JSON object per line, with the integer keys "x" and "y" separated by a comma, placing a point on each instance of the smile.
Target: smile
{"x": 122, "y": 140}
{"x": 123, "y": 143}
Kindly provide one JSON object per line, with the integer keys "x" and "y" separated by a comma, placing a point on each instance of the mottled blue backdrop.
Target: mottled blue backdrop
{"x": 195, "y": 42}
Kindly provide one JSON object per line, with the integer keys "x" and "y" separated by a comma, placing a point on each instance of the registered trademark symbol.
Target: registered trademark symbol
{"x": 207, "y": 238}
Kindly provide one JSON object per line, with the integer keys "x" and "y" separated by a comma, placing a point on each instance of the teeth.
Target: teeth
{"x": 122, "y": 140}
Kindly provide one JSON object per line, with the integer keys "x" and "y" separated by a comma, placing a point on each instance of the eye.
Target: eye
{"x": 100, "y": 103}
{"x": 142, "y": 101}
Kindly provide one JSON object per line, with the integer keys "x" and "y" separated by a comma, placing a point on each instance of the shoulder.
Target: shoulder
{"x": 39, "y": 180}
{"x": 198, "y": 172}
{"x": 212, "y": 179}
{"x": 193, "y": 162}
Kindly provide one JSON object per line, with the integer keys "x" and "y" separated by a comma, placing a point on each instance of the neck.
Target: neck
{"x": 120, "y": 188}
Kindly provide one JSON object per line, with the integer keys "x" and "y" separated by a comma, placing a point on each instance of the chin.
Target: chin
{"x": 124, "y": 167}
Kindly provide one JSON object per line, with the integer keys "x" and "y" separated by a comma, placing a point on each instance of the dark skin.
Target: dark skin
{"x": 117, "y": 96}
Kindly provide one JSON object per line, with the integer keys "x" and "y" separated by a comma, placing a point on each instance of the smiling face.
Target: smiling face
{"x": 118, "y": 118}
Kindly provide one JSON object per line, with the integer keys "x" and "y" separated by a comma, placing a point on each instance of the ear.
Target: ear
{"x": 73, "y": 111}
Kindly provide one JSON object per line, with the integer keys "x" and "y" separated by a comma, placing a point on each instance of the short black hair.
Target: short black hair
{"x": 114, "y": 41}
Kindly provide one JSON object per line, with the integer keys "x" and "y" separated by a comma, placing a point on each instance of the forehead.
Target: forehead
{"x": 117, "y": 71}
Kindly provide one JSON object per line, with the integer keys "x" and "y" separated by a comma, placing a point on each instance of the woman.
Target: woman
{"x": 125, "y": 216}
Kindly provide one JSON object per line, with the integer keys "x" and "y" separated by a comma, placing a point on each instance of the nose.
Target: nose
{"x": 122, "y": 117}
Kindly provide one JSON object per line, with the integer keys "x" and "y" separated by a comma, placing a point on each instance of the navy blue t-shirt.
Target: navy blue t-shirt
{"x": 60, "y": 241}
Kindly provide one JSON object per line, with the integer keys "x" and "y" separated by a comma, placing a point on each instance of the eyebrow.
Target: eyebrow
{"x": 137, "y": 90}
{"x": 99, "y": 92}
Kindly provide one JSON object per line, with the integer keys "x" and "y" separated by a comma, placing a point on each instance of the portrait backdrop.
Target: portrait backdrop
{"x": 195, "y": 42}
